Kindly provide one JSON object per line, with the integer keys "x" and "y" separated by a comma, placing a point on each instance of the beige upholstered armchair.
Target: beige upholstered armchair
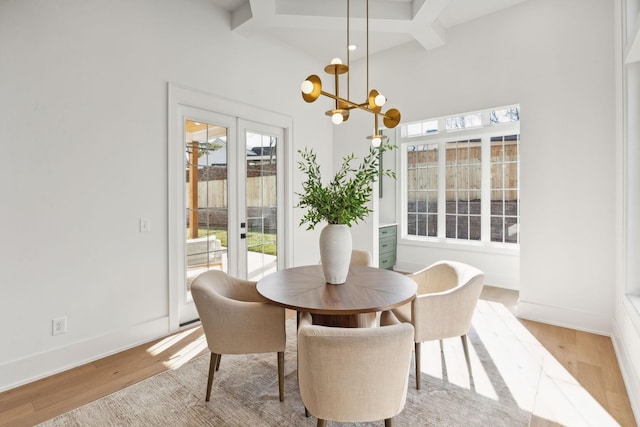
{"x": 354, "y": 374}
{"x": 359, "y": 257}
{"x": 237, "y": 320}
{"x": 443, "y": 308}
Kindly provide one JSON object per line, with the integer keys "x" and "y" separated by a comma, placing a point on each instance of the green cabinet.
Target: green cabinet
{"x": 387, "y": 246}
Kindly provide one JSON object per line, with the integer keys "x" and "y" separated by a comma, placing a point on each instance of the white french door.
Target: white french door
{"x": 230, "y": 200}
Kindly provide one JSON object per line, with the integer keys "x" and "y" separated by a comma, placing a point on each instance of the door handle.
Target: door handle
{"x": 243, "y": 235}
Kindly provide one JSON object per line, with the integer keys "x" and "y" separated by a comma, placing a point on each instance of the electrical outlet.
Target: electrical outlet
{"x": 59, "y": 325}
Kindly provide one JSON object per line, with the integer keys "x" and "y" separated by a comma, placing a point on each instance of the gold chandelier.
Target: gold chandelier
{"x": 312, "y": 89}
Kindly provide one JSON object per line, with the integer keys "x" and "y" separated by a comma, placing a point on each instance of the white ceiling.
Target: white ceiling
{"x": 319, "y": 27}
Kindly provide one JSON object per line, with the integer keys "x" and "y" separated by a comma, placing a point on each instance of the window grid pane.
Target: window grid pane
{"x": 458, "y": 182}
{"x": 463, "y": 122}
{"x": 505, "y": 115}
{"x": 422, "y": 190}
{"x": 505, "y": 189}
{"x": 463, "y": 183}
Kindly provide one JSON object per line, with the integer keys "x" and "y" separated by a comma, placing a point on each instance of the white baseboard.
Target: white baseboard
{"x": 31, "y": 368}
{"x": 408, "y": 267}
{"x": 567, "y": 318}
{"x": 629, "y": 372}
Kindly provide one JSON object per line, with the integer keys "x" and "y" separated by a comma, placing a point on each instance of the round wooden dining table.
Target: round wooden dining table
{"x": 351, "y": 304}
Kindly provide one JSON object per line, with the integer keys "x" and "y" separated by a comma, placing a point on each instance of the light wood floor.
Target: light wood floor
{"x": 589, "y": 358}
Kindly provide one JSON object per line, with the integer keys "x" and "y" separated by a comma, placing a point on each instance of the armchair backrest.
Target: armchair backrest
{"x": 229, "y": 286}
{"x": 235, "y": 318}
{"x": 362, "y": 258}
{"x": 448, "y": 292}
{"x": 358, "y": 257}
{"x": 354, "y": 374}
{"x": 438, "y": 277}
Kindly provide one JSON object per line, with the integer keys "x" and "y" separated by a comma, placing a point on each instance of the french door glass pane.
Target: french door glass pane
{"x": 262, "y": 225}
{"x": 206, "y": 198}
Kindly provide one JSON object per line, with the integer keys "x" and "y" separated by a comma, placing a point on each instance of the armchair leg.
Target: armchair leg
{"x": 388, "y": 422}
{"x": 213, "y": 362}
{"x": 417, "y": 366}
{"x": 281, "y": 375}
{"x": 465, "y": 345}
{"x": 321, "y": 423}
{"x": 218, "y": 363}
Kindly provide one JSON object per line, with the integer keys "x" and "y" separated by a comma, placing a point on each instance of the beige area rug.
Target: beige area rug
{"x": 508, "y": 370}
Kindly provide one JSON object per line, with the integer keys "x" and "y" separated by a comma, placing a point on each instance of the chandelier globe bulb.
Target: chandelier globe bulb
{"x": 306, "y": 87}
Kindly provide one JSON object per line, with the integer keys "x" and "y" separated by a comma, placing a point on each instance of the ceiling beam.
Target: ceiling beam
{"x": 417, "y": 18}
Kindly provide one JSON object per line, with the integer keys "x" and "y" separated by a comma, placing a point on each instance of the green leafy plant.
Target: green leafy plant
{"x": 345, "y": 199}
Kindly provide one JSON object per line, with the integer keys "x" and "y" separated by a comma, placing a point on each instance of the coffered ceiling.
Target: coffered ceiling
{"x": 319, "y": 27}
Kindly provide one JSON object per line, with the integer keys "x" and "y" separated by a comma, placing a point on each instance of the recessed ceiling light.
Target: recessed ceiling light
{"x": 352, "y": 47}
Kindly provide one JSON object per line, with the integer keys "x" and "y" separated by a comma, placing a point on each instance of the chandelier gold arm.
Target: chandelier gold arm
{"x": 336, "y": 69}
{"x": 312, "y": 89}
{"x": 391, "y": 118}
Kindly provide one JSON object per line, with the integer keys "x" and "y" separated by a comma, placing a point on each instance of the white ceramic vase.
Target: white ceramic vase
{"x": 335, "y": 252}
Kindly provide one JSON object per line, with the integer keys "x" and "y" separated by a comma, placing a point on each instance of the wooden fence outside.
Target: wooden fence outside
{"x": 463, "y": 173}
{"x": 261, "y": 191}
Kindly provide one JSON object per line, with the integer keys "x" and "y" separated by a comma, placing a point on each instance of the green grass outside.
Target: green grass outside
{"x": 255, "y": 240}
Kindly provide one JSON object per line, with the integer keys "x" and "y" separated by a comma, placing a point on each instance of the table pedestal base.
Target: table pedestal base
{"x": 363, "y": 320}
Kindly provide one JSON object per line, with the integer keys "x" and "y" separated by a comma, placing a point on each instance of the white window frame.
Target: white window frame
{"x": 440, "y": 138}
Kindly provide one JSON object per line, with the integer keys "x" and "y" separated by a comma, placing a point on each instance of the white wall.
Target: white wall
{"x": 559, "y": 68}
{"x": 568, "y": 173}
{"x": 626, "y": 324}
{"x": 83, "y": 156}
